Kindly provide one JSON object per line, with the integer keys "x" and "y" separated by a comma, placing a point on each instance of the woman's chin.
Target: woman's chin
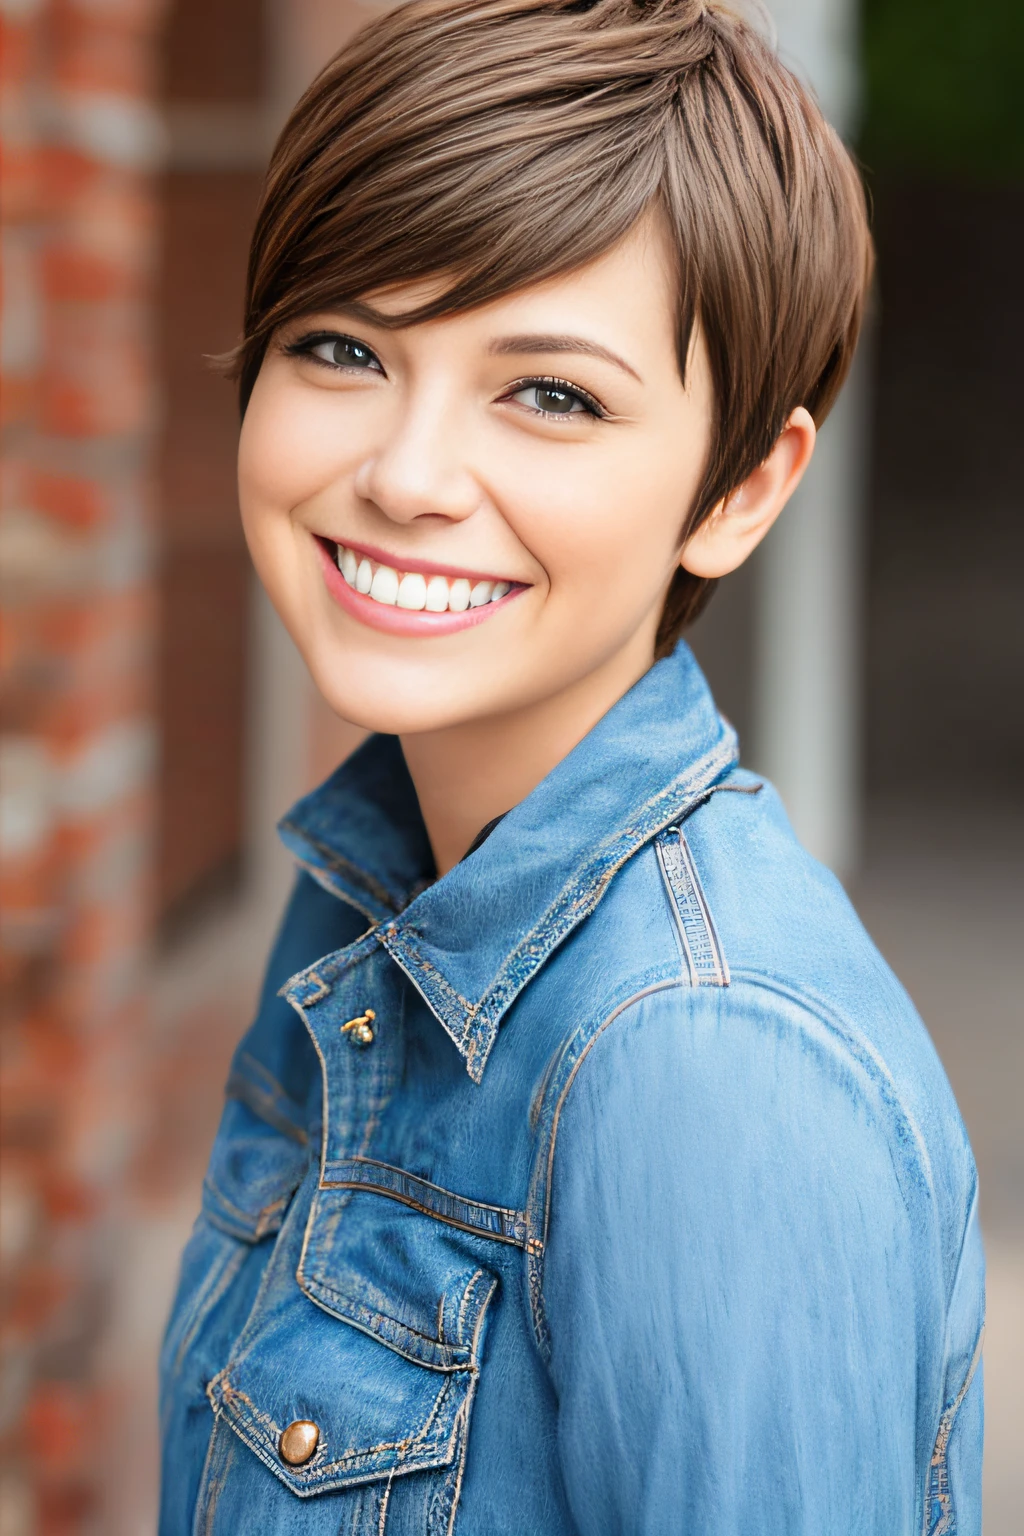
{"x": 403, "y": 709}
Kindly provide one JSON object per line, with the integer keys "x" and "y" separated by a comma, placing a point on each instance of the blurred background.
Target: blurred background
{"x": 156, "y": 720}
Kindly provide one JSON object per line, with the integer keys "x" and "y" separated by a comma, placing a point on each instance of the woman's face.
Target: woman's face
{"x": 463, "y": 518}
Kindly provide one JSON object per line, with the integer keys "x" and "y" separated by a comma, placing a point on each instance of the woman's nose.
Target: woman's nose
{"x": 417, "y": 471}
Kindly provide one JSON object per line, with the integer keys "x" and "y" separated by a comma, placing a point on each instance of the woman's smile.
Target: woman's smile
{"x": 407, "y": 597}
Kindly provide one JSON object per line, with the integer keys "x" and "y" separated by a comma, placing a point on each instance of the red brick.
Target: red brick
{"x": 19, "y": 401}
{"x": 105, "y": 252}
{"x": 27, "y": 884}
{"x": 66, "y": 178}
{"x": 71, "y": 274}
{"x": 19, "y": 43}
{"x": 22, "y": 186}
{"x": 97, "y": 379}
{"x": 60, "y": 1428}
{"x": 82, "y": 504}
{"x": 101, "y": 50}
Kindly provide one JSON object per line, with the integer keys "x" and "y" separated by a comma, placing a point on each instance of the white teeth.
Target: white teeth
{"x": 437, "y": 595}
{"x": 384, "y": 587}
{"x": 412, "y": 591}
{"x": 458, "y": 595}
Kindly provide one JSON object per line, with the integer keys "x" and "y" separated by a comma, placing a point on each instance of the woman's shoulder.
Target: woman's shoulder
{"x": 739, "y": 1141}
{"x": 777, "y": 1031}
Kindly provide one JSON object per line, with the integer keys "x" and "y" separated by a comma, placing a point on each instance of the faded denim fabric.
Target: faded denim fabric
{"x": 640, "y": 1205}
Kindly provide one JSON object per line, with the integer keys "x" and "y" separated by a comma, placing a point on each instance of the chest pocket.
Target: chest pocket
{"x": 369, "y": 1326}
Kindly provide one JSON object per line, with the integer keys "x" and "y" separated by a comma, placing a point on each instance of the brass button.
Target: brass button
{"x": 360, "y": 1029}
{"x": 298, "y": 1442}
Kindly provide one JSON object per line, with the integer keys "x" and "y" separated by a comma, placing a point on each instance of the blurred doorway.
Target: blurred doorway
{"x": 214, "y": 90}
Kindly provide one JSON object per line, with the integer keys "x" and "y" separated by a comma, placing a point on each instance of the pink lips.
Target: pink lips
{"x": 402, "y": 621}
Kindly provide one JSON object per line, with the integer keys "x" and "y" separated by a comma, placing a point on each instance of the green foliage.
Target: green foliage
{"x": 944, "y": 85}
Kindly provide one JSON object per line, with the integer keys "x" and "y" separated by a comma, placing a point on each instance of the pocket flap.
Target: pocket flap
{"x": 376, "y": 1412}
{"x": 379, "y": 1348}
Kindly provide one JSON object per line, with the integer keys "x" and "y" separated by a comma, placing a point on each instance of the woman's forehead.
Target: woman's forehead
{"x": 637, "y": 274}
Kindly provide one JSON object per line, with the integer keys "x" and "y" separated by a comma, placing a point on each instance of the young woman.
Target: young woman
{"x": 585, "y": 1169}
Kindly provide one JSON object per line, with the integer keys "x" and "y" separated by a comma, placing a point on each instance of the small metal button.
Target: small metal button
{"x": 298, "y": 1442}
{"x": 360, "y": 1029}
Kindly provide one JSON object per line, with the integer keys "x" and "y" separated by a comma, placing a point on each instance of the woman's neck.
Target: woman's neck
{"x": 466, "y": 775}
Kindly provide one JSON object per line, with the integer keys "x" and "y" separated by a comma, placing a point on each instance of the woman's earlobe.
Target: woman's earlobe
{"x": 736, "y": 526}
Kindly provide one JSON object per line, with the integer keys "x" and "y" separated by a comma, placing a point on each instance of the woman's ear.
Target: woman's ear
{"x": 736, "y": 527}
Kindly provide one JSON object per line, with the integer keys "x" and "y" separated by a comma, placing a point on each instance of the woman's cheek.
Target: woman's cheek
{"x": 572, "y": 520}
{"x": 289, "y": 440}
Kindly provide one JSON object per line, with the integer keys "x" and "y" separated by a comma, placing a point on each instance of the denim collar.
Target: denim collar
{"x": 471, "y": 941}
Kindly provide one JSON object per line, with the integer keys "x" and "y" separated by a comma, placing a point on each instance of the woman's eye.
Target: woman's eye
{"x": 343, "y": 352}
{"x": 553, "y": 400}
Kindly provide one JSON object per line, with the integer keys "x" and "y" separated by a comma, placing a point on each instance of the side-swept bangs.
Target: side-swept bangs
{"x": 496, "y": 143}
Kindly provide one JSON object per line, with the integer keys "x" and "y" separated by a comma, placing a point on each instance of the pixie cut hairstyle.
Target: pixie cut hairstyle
{"x": 496, "y": 143}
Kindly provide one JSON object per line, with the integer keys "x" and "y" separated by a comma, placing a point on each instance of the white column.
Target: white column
{"x": 807, "y": 624}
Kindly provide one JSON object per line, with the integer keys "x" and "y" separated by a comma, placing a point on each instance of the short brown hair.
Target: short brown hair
{"x": 496, "y": 143}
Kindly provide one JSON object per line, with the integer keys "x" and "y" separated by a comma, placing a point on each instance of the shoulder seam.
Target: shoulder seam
{"x": 694, "y": 925}
{"x": 858, "y": 1049}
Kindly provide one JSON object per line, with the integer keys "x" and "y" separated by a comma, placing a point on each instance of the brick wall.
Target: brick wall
{"x": 81, "y": 143}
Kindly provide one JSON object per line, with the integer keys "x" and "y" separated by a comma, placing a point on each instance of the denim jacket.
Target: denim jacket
{"x": 609, "y": 1184}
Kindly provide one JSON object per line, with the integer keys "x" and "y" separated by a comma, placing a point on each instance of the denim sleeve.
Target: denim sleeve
{"x": 729, "y": 1281}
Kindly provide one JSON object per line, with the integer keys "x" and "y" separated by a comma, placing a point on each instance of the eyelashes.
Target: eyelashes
{"x": 554, "y": 398}
{"x": 349, "y": 355}
{"x": 558, "y": 391}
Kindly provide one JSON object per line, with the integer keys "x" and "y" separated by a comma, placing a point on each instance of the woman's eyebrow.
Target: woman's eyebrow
{"x": 507, "y": 346}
